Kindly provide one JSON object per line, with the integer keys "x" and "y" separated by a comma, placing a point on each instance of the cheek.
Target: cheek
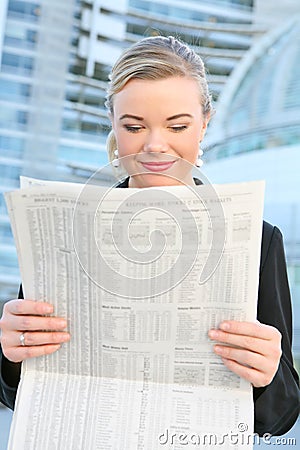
{"x": 127, "y": 143}
{"x": 122, "y": 143}
{"x": 127, "y": 150}
{"x": 191, "y": 146}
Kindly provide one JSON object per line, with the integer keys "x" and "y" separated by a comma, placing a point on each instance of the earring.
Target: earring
{"x": 115, "y": 162}
{"x": 199, "y": 162}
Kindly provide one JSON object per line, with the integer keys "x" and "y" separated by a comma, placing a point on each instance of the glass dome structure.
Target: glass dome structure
{"x": 260, "y": 106}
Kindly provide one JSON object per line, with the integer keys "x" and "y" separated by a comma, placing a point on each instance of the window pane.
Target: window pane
{"x": 17, "y": 63}
{"x": 11, "y": 146}
{"x": 18, "y": 8}
{"x": 12, "y": 90}
{"x": 20, "y": 35}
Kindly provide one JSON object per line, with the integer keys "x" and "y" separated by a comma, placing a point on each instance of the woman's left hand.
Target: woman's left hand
{"x": 256, "y": 350}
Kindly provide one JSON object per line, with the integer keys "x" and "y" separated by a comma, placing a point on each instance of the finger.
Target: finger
{"x": 18, "y": 354}
{"x": 35, "y": 323}
{"x": 30, "y": 307}
{"x": 244, "y": 357}
{"x": 254, "y": 376}
{"x": 254, "y": 344}
{"x": 254, "y": 329}
{"x": 38, "y": 338}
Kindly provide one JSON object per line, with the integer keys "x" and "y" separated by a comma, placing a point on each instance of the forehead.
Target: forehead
{"x": 169, "y": 94}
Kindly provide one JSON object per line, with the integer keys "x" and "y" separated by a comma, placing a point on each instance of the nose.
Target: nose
{"x": 155, "y": 142}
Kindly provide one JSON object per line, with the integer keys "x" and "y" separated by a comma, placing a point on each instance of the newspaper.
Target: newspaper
{"x": 139, "y": 371}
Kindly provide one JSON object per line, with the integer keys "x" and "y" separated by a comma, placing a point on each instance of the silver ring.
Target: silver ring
{"x": 22, "y": 339}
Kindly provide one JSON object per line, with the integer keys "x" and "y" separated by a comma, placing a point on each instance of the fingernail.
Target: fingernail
{"x": 218, "y": 349}
{"x": 66, "y": 337}
{"x": 213, "y": 334}
{"x": 48, "y": 309}
{"x": 225, "y": 326}
{"x": 62, "y": 323}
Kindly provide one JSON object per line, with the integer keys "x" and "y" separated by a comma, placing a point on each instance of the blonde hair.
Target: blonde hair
{"x": 156, "y": 58}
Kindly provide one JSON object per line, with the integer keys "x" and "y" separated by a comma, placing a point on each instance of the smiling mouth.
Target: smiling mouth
{"x": 157, "y": 166}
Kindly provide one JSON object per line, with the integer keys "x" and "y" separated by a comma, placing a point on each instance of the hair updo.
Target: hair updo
{"x": 156, "y": 58}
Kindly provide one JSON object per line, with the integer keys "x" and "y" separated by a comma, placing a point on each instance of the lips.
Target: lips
{"x": 157, "y": 166}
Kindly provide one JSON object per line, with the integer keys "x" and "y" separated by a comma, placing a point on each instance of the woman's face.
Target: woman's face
{"x": 158, "y": 127}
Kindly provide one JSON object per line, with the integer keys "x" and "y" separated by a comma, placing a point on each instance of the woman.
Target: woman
{"x": 159, "y": 106}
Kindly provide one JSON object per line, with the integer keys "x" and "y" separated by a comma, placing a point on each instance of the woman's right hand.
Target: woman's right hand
{"x": 43, "y": 334}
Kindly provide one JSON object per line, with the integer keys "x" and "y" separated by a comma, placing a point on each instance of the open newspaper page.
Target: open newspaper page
{"x": 141, "y": 275}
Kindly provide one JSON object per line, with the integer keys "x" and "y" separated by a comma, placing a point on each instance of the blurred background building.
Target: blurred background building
{"x": 55, "y": 57}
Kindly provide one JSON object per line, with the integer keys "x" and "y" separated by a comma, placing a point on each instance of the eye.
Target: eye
{"x": 178, "y": 128}
{"x": 133, "y": 128}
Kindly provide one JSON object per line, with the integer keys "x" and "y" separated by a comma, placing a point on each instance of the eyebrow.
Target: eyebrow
{"x": 178, "y": 116}
{"x": 132, "y": 116}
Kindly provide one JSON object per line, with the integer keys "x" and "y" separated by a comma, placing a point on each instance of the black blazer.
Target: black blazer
{"x": 276, "y": 405}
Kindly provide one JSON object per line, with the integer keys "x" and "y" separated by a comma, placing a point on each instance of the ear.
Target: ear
{"x": 111, "y": 119}
{"x": 204, "y": 126}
